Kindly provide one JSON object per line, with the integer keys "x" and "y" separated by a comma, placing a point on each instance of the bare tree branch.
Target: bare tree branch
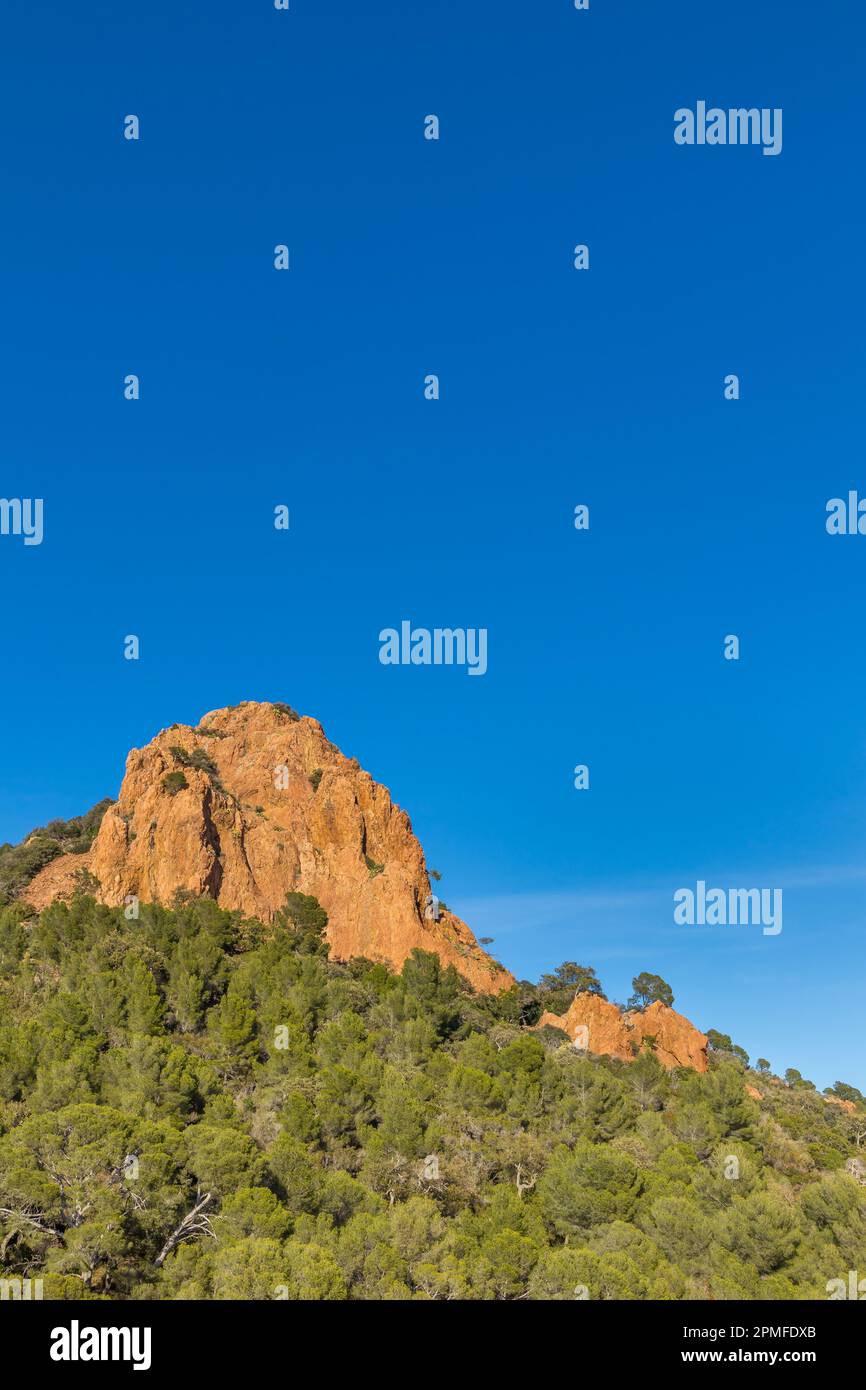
{"x": 193, "y": 1224}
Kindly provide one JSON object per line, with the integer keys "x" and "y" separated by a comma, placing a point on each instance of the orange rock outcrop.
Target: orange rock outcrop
{"x": 845, "y": 1104}
{"x": 598, "y": 1026}
{"x": 259, "y": 803}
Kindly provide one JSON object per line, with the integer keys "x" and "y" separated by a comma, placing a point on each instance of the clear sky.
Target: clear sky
{"x": 558, "y": 387}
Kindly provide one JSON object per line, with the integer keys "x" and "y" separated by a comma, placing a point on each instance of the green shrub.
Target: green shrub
{"x": 21, "y": 863}
{"x": 284, "y": 712}
{"x": 199, "y": 759}
{"x": 174, "y": 782}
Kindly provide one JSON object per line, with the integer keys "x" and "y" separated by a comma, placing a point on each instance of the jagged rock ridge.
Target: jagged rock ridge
{"x": 599, "y": 1026}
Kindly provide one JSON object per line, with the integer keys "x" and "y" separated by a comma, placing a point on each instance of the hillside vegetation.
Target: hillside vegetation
{"x": 193, "y": 1105}
{"x": 21, "y": 863}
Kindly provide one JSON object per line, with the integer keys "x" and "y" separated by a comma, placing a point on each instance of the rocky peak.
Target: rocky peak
{"x": 253, "y": 803}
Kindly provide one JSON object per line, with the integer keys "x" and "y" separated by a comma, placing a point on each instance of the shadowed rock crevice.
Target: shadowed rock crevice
{"x": 214, "y": 878}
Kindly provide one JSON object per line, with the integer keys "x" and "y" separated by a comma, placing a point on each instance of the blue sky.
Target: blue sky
{"x": 558, "y": 387}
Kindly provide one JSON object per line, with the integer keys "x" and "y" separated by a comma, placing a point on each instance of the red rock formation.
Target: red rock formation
{"x": 845, "y": 1104}
{"x": 262, "y": 804}
{"x": 598, "y": 1026}
{"x": 754, "y": 1093}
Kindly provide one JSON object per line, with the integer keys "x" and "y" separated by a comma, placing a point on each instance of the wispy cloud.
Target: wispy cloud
{"x": 540, "y": 910}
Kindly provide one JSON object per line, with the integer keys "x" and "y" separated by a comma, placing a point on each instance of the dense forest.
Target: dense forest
{"x": 194, "y": 1105}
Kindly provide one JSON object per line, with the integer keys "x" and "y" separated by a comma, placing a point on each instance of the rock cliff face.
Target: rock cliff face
{"x": 598, "y": 1026}
{"x": 254, "y": 803}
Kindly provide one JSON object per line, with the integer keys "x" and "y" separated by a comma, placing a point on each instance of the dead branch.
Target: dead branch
{"x": 193, "y": 1224}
